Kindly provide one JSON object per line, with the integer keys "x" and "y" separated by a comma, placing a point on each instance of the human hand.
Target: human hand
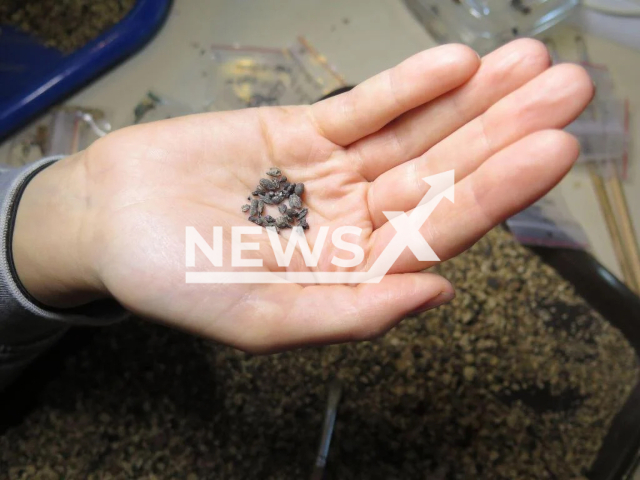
{"x": 110, "y": 221}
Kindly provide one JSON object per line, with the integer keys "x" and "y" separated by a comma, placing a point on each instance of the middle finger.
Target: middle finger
{"x": 551, "y": 100}
{"x": 411, "y": 134}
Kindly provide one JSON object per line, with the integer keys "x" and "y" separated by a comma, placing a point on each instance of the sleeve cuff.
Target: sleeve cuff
{"x": 15, "y": 301}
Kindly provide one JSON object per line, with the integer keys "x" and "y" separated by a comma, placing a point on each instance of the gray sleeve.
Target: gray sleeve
{"x": 26, "y": 327}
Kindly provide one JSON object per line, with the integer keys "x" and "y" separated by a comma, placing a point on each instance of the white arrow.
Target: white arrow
{"x": 442, "y": 186}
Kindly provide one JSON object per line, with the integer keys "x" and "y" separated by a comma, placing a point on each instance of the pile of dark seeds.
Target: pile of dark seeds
{"x": 274, "y": 191}
{"x": 66, "y": 25}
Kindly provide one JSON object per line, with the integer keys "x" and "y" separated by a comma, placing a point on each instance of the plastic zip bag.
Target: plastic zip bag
{"x": 548, "y": 223}
{"x": 245, "y": 77}
{"x": 64, "y": 131}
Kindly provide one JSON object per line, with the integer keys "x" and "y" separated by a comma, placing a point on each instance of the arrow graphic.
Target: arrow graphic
{"x": 442, "y": 186}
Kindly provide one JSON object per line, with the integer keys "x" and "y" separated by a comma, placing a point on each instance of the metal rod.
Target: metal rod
{"x": 335, "y": 392}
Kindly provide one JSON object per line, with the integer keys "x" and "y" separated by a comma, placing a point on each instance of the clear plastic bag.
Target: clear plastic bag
{"x": 244, "y": 77}
{"x": 64, "y": 131}
{"x": 603, "y": 128}
{"x": 249, "y": 77}
{"x": 548, "y": 223}
{"x": 320, "y": 77}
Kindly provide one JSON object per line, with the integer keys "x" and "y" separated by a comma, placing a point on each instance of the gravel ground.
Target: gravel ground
{"x": 516, "y": 379}
{"x": 64, "y": 24}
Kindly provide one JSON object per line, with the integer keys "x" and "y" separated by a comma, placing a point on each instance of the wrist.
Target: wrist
{"x": 51, "y": 252}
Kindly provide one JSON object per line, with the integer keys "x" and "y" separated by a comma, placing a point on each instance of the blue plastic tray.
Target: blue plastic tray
{"x": 34, "y": 77}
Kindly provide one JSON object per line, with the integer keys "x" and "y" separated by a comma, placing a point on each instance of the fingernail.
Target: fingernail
{"x": 441, "y": 299}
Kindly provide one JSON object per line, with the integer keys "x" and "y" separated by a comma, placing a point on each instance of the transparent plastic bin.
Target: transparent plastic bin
{"x": 487, "y": 24}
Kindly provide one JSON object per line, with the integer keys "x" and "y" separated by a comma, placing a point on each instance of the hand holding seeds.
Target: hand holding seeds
{"x": 110, "y": 222}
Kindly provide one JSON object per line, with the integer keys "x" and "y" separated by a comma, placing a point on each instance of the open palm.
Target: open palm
{"x": 359, "y": 154}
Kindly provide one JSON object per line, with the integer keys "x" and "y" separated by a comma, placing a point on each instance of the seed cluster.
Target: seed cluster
{"x": 274, "y": 191}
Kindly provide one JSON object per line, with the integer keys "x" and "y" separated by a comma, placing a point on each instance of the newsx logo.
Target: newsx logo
{"x": 407, "y": 235}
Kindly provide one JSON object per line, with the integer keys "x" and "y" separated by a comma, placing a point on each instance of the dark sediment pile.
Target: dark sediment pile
{"x": 517, "y": 379}
{"x": 66, "y": 25}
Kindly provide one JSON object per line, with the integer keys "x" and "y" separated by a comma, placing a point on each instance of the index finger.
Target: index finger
{"x": 380, "y": 99}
